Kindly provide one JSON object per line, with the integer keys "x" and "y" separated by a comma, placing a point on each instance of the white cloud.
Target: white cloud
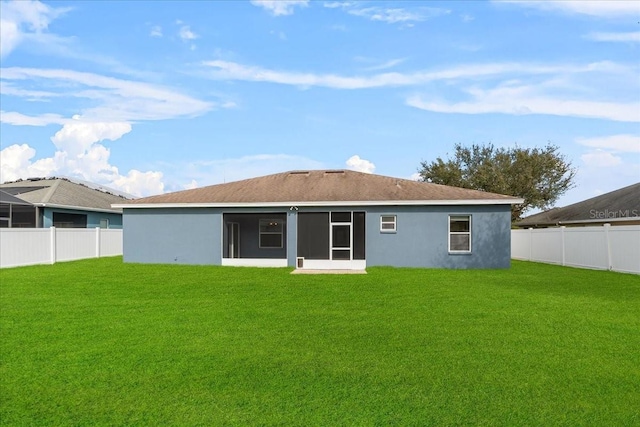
{"x": 524, "y": 100}
{"x": 140, "y": 183}
{"x": 361, "y": 165}
{"x": 76, "y": 138}
{"x": 191, "y": 185}
{"x": 467, "y": 18}
{"x": 620, "y": 143}
{"x": 21, "y": 20}
{"x": 9, "y": 37}
{"x": 569, "y": 91}
{"x": 113, "y": 104}
{"x": 386, "y": 65}
{"x": 15, "y": 163}
{"x": 117, "y": 100}
{"x": 90, "y": 164}
{"x": 398, "y": 15}
{"x": 629, "y": 37}
{"x": 186, "y": 34}
{"x": 18, "y": 119}
{"x": 600, "y": 159}
{"x": 390, "y": 15}
{"x": 597, "y": 8}
{"x": 225, "y": 170}
{"x": 280, "y": 7}
{"x": 235, "y": 71}
{"x": 156, "y": 31}
{"x": 416, "y": 176}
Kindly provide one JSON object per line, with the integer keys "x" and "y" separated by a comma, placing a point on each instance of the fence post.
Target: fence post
{"x": 608, "y": 243}
{"x": 97, "y": 242}
{"x": 530, "y": 243}
{"x": 563, "y": 249}
{"x": 52, "y": 241}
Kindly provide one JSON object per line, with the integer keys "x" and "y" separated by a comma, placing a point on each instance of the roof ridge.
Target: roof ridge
{"x": 52, "y": 189}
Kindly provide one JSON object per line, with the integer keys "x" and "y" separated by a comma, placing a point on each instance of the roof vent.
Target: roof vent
{"x": 299, "y": 173}
{"x": 334, "y": 171}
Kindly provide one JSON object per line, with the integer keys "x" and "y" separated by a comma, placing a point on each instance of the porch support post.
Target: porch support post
{"x": 292, "y": 236}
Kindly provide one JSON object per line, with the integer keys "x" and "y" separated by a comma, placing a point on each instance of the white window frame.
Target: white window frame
{"x": 394, "y": 223}
{"x": 261, "y": 233}
{"x": 458, "y": 233}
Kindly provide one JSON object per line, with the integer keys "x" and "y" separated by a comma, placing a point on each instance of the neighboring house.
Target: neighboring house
{"x": 332, "y": 219}
{"x": 60, "y": 202}
{"x": 616, "y": 208}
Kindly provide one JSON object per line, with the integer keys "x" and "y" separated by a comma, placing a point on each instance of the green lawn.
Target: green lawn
{"x": 98, "y": 342}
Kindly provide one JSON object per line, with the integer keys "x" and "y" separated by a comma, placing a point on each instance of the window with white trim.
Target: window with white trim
{"x": 459, "y": 233}
{"x": 388, "y": 223}
{"x": 271, "y": 233}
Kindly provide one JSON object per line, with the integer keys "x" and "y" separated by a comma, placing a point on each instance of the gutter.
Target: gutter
{"x": 77, "y": 208}
{"x": 465, "y": 202}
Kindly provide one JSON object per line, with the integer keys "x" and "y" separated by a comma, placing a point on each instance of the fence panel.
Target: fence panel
{"x": 546, "y": 246}
{"x": 24, "y": 246}
{"x": 520, "y": 246}
{"x": 586, "y": 247}
{"x": 600, "y": 247}
{"x": 625, "y": 248}
{"x": 29, "y": 246}
{"x": 111, "y": 242}
{"x": 75, "y": 243}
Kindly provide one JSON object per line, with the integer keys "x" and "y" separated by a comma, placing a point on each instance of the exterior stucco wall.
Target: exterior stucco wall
{"x": 421, "y": 239}
{"x": 195, "y": 235}
{"x": 172, "y": 236}
{"x": 93, "y": 218}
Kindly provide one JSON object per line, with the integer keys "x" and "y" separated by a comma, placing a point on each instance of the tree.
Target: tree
{"x": 538, "y": 175}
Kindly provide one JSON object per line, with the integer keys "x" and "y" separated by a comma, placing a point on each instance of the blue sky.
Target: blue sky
{"x": 149, "y": 97}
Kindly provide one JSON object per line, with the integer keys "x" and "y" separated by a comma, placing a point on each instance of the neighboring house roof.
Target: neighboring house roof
{"x": 62, "y": 193}
{"x": 617, "y": 206}
{"x": 12, "y": 200}
{"x": 321, "y": 187}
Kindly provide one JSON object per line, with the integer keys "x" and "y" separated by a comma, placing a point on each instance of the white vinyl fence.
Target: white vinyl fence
{"x": 601, "y": 247}
{"x": 28, "y": 246}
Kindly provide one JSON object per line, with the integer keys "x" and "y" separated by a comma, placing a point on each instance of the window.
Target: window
{"x": 388, "y": 223}
{"x": 460, "y": 233}
{"x": 271, "y": 233}
{"x": 69, "y": 220}
{"x": 104, "y": 223}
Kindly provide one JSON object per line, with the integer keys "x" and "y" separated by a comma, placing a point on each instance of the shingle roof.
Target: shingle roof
{"x": 322, "y": 186}
{"x": 618, "y": 205}
{"x": 61, "y": 192}
{"x": 12, "y": 200}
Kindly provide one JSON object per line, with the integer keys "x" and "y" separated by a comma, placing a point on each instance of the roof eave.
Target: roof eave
{"x": 465, "y": 202}
{"x": 78, "y": 208}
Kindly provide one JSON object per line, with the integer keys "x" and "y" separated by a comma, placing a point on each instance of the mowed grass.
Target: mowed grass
{"x": 99, "y": 342}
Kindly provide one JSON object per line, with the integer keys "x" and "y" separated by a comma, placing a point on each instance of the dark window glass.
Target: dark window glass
{"x": 313, "y": 235}
{"x": 341, "y": 236}
{"x": 68, "y": 220}
{"x": 460, "y": 242}
{"x": 340, "y": 216}
{"x": 459, "y": 224}
{"x": 271, "y": 240}
{"x": 358, "y": 235}
{"x": 340, "y": 254}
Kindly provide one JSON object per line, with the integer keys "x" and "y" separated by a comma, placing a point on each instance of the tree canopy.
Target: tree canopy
{"x": 538, "y": 175}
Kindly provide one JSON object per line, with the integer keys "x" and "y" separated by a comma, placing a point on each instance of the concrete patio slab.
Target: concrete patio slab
{"x": 310, "y": 271}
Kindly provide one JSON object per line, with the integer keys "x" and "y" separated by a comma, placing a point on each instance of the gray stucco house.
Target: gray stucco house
{"x": 321, "y": 219}
{"x": 619, "y": 207}
{"x": 59, "y": 202}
